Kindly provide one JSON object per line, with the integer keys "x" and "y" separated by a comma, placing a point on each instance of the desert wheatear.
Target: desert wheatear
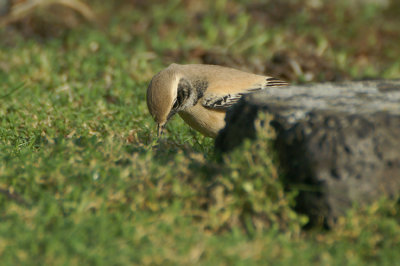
{"x": 201, "y": 94}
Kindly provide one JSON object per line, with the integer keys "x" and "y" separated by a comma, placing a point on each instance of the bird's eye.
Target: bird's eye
{"x": 176, "y": 104}
{"x": 178, "y": 100}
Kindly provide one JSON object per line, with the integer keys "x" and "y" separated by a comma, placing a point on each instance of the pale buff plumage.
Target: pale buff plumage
{"x": 200, "y": 94}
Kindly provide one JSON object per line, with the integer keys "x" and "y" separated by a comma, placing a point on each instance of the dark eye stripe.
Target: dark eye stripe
{"x": 182, "y": 95}
{"x": 176, "y": 104}
{"x": 184, "y": 90}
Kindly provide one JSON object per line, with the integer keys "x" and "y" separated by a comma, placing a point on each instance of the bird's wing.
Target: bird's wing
{"x": 216, "y": 99}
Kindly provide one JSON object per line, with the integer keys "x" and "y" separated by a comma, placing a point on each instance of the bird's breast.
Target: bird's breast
{"x": 207, "y": 121}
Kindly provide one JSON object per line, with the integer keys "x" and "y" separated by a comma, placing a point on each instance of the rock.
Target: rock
{"x": 338, "y": 143}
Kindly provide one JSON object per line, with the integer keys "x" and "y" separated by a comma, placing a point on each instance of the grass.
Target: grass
{"x": 84, "y": 180}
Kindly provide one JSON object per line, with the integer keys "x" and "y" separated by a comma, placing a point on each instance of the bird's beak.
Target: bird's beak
{"x": 160, "y": 128}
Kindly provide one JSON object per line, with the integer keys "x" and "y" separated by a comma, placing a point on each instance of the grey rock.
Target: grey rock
{"x": 338, "y": 143}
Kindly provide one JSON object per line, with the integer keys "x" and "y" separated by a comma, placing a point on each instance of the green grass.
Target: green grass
{"x": 84, "y": 180}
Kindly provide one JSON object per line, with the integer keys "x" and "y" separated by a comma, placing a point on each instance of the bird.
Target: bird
{"x": 201, "y": 94}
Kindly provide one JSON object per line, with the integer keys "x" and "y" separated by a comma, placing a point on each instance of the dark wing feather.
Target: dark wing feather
{"x": 274, "y": 82}
{"x": 225, "y": 101}
{"x": 221, "y": 102}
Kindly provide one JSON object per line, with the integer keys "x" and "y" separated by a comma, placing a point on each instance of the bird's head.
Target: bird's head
{"x": 162, "y": 95}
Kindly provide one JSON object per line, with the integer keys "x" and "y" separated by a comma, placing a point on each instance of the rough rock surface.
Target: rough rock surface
{"x": 339, "y": 143}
